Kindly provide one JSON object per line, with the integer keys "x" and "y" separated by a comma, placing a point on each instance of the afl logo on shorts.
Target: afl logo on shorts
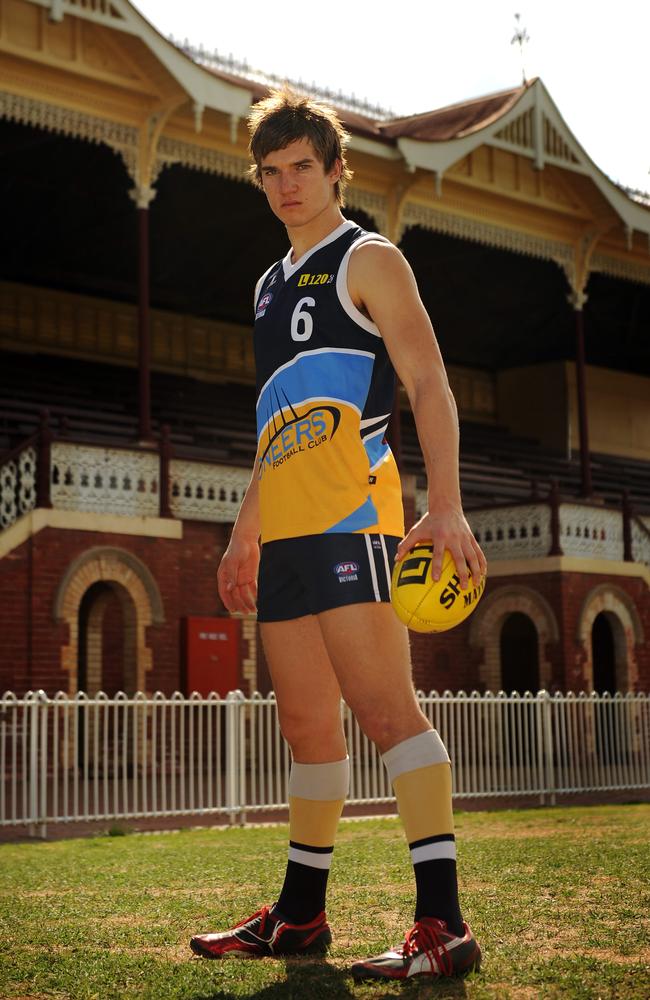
{"x": 347, "y": 572}
{"x": 263, "y": 305}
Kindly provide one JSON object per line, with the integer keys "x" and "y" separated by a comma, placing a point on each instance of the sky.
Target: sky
{"x": 409, "y": 56}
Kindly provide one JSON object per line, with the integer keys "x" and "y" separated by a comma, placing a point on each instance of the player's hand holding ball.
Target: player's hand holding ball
{"x": 427, "y": 605}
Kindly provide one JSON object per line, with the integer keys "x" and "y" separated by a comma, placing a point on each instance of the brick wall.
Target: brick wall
{"x": 184, "y": 572}
{"x": 456, "y": 661}
{"x": 444, "y": 661}
{"x": 30, "y": 577}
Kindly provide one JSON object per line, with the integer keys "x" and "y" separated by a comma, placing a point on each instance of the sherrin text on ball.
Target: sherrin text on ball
{"x": 428, "y": 605}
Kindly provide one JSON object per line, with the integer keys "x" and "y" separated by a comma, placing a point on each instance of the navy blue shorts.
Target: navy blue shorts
{"x": 314, "y": 573}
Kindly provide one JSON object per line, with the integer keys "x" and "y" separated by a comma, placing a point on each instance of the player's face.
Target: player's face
{"x": 296, "y": 184}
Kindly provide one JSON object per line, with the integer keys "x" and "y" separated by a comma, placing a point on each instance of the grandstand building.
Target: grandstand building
{"x": 131, "y": 242}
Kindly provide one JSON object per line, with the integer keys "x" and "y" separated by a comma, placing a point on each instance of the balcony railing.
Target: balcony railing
{"x": 148, "y": 482}
{"x": 136, "y": 482}
{"x": 558, "y": 527}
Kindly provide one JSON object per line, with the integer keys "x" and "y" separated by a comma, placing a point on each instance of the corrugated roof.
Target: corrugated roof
{"x": 455, "y": 120}
{"x": 438, "y": 125}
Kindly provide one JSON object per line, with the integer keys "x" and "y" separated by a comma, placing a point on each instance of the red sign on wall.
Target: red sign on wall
{"x": 212, "y": 655}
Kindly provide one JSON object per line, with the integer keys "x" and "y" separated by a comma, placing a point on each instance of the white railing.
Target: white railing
{"x": 206, "y": 492}
{"x": 17, "y": 486}
{"x": 88, "y": 759}
{"x": 641, "y": 540}
{"x": 104, "y": 480}
{"x": 518, "y": 532}
{"x": 591, "y": 532}
{"x": 586, "y": 531}
{"x": 100, "y": 479}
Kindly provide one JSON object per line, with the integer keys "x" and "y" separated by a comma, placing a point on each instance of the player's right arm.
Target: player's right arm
{"x": 237, "y": 573}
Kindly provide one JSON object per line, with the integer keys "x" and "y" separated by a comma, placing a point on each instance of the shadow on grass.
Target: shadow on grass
{"x": 319, "y": 980}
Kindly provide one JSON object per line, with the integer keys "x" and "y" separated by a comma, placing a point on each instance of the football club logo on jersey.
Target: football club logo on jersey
{"x": 347, "y": 572}
{"x": 291, "y": 433}
{"x": 263, "y": 305}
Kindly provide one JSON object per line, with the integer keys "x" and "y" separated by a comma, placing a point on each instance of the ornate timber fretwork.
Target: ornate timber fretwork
{"x": 555, "y": 145}
{"x": 370, "y": 202}
{"x": 122, "y": 138}
{"x": 212, "y": 161}
{"x": 100, "y": 11}
{"x": 530, "y": 125}
{"x": 483, "y": 232}
{"x": 630, "y": 270}
{"x": 520, "y": 134}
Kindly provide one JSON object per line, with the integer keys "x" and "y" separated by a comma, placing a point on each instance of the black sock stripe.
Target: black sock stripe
{"x": 432, "y": 840}
{"x": 311, "y": 848}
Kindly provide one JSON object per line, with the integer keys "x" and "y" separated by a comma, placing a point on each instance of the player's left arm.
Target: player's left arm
{"x": 381, "y": 284}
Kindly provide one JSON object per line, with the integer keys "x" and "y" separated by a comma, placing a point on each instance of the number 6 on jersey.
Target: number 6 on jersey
{"x": 300, "y": 314}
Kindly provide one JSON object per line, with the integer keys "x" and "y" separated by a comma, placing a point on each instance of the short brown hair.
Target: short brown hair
{"x": 286, "y": 116}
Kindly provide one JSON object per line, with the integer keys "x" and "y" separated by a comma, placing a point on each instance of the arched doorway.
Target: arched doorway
{"x": 609, "y": 630}
{"x": 519, "y": 647}
{"x": 486, "y": 630}
{"x": 603, "y": 651}
{"x": 85, "y": 601}
{"x": 107, "y": 641}
{"x": 609, "y": 670}
{"x": 98, "y": 577}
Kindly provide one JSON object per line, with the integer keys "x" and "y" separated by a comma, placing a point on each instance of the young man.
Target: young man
{"x": 331, "y": 321}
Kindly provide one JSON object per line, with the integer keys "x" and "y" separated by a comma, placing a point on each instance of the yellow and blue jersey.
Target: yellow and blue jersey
{"x": 325, "y": 388}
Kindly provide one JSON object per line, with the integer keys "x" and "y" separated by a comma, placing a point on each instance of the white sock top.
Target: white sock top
{"x": 320, "y": 782}
{"x": 418, "y": 751}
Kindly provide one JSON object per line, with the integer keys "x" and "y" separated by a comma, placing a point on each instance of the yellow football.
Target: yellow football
{"x": 428, "y": 605}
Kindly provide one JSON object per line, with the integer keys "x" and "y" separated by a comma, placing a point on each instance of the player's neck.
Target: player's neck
{"x": 303, "y": 238}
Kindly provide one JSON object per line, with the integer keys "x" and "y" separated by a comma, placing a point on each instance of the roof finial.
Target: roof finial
{"x": 520, "y": 36}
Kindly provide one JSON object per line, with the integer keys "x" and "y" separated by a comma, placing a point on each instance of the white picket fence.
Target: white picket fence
{"x": 96, "y": 759}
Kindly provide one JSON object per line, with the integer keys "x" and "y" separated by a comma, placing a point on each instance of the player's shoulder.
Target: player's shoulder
{"x": 374, "y": 252}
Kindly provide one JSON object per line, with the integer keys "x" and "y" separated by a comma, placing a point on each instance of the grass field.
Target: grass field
{"x": 559, "y": 898}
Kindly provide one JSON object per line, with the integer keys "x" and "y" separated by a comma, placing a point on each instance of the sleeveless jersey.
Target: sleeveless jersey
{"x": 325, "y": 387}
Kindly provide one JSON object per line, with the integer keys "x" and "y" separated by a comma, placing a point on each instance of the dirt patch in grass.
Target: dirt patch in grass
{"x": 539, "y": 832}
{"x": 596, "y": 823}
{"x": 52, "y": 949}
{"x": 40, "y": 996}
{"x": 201, "y": 891}
{"x": 44, "y": 893}
{"x": 123, "y": 920}
{"x": 504, "y": 991}
{"x": 178, "y": 953}
{"x": 641, "y": 957}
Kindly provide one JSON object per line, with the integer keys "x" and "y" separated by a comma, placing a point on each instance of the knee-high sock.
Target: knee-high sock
{"x": 420, "y": 772}
{"x": 317, "y": 793}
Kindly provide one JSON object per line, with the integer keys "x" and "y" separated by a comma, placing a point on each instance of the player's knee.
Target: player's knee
{"x": 302, "y": 731}
{"x": 386, "y": 727}
{"x": 380, "y": 729}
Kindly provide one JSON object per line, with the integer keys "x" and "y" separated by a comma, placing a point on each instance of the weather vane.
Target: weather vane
{"x": 520, "y": 36}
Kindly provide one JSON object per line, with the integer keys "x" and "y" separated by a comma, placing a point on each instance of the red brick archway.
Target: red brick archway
{"x": 487, "y": 622}
{"x": 627, "y": 629}
{"x": 136, "y": 589}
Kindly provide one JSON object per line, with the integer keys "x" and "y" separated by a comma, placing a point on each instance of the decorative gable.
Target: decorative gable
{"x": 99, "y": 11}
